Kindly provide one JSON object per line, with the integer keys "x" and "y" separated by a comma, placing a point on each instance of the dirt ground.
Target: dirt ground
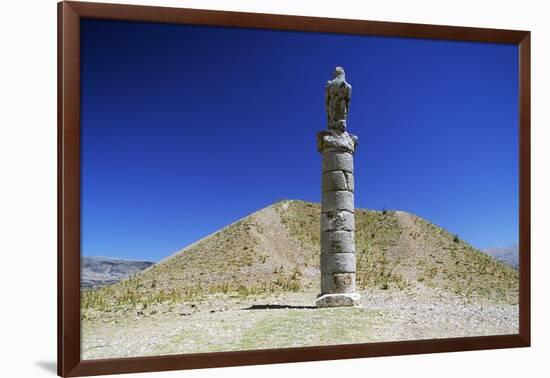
{"x": 225, "y": 323}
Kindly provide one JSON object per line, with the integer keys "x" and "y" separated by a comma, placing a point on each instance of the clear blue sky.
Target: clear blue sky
{"x": 186, "y": 129}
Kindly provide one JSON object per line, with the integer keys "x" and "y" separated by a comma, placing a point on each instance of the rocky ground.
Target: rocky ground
{"x": 223, "y": 322}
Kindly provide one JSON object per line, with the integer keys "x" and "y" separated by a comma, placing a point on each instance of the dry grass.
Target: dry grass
{"x": 454, "y": 265}
{"x": 277, "y": 249}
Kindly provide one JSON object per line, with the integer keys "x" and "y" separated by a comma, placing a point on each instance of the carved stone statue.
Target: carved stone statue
{"x": 337, "y": 97}
{"x": 337, "y": 234}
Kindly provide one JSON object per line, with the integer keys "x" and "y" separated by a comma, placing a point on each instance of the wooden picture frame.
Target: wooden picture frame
{"x": 69, "y": 16}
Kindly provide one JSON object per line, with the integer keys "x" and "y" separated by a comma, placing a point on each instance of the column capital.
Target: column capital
{"x": 335, "y": 140}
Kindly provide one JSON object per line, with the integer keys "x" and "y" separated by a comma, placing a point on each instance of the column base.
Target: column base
{"x": 338, "y": 300}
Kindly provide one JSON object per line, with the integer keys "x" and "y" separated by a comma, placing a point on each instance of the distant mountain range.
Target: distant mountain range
{"x": 508, "y": 255}
{"x": 100, "y": 271}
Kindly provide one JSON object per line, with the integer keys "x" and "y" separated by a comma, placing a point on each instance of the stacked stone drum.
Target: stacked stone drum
{"x": 337, "y": 205}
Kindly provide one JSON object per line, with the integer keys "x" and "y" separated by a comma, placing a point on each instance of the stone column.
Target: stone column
{"x": 337, "y": 206}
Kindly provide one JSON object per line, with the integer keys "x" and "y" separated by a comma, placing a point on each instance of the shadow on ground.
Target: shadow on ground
{"x": 276, "y": 307}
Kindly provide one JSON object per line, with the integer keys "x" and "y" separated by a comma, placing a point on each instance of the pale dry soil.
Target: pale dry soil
{"x": 284, "y": 320}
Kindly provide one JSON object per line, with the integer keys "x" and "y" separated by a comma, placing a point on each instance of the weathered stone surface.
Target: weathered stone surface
{"x": 350, "y": 180}
{"x": 337, "y": 242}
{"x": 338, "y": 262}
{"x": 337, "y": 98}
{"x": 337, "y": 221}
{"x": 332, "y": 283}
{"x": 337, "y": 206}
{"x": 336, "y": 140}
{"x": 344, "y": 282}
{"x": 337, "y": 201}
{"x": 337, "y": 161}
{"x": 339, "y": 300}
{"x": 337, "y": 180}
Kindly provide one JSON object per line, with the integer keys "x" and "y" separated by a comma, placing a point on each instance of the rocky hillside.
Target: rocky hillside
{"x": 277, "y": 249}
{"x": 100, "y": 271}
